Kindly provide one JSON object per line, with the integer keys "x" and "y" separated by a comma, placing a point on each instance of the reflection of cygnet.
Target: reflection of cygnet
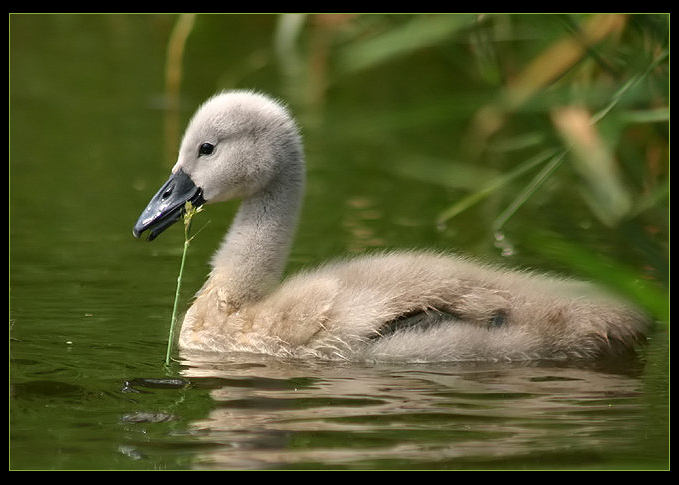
{"x": 422, "y": 306}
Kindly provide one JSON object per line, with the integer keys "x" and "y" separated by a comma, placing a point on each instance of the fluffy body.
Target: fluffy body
{"x": 346, "y": 310}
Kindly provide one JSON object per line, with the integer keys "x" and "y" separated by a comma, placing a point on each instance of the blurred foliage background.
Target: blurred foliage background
{"x": 541, "y": 140}
{"x": 559, "y": 114}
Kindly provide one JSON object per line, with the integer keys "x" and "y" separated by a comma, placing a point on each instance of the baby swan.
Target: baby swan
{"x": 414, "y": 306}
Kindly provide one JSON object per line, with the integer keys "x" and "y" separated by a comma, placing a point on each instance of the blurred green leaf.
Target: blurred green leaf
{"x": 603, "y": 188}
{"x": 493, "y": 185}
{"x": 600, "y": 268}
{"x": 418, "y": 32}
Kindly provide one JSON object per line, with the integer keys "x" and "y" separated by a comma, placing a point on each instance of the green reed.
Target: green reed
{"x": 189, "y": 212}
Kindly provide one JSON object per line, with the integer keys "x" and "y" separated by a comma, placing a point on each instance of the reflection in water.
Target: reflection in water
{"x": 273, "y": 414}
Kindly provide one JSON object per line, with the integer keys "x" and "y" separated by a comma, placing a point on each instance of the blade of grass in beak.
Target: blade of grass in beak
{"x": 189, "y": 212}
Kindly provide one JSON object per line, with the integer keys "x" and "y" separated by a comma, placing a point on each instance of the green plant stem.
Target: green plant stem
{"x": 170, "y": 338}
{"x": 527, "y": 192}
{"x": 189, "y": 212}
{"x": 494, "y": 184}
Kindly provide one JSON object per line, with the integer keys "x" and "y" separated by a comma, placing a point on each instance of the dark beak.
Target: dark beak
{"x": 167, "y": 206}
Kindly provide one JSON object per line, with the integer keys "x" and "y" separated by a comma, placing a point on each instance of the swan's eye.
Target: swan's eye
{"x": 206, "y": 149}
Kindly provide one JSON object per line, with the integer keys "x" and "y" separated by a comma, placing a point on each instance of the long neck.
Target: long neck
{"x": 252, "y": 257}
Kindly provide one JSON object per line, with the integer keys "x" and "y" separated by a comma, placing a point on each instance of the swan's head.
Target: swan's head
{"x": 235, "y": 146}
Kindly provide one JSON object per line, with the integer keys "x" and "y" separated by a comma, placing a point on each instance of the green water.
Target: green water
{"x": 89, "y": 306}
